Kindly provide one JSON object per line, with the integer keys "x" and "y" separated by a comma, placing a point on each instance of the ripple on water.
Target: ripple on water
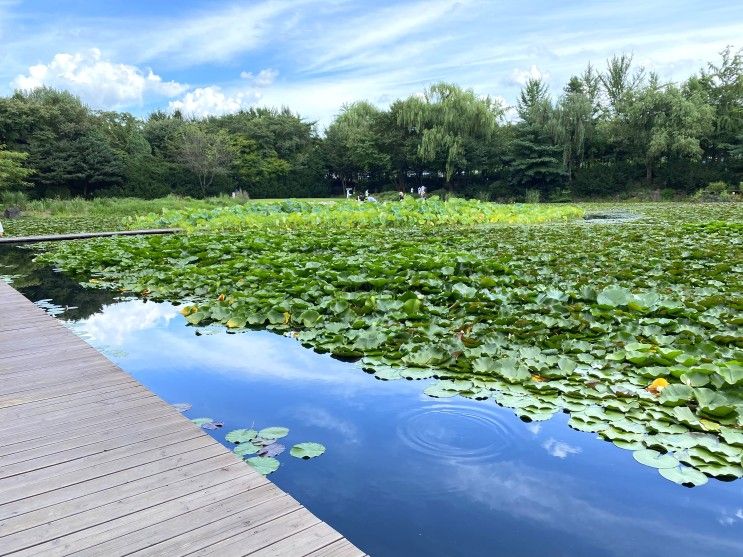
{"x": 459, "y": 432}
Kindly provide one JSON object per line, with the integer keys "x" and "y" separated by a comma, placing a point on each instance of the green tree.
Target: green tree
{"x": 574, "y": 125}
{"x": 13, "y": 172}
{"x": 204, "y": 153}
{"x": 446, "y": 117}
{"x": 353, "y": 145}
{"x": 535, "y": 160}
{"x": 661, "y": 121}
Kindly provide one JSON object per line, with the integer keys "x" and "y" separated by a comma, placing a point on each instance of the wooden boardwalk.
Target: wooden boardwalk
{"x": 84, "y": 235}
{"x": 93, "y": 463}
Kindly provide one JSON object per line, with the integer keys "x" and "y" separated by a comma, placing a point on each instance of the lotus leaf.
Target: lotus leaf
{"x": 307, "y": 450}
{"x": 264, "y": 464}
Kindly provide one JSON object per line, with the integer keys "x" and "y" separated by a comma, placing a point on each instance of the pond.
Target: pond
{"x": 404, "y": 474}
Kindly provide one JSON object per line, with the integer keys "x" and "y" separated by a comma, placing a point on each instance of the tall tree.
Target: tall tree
{"x": 353, "y": 145}
{"x": 446, "y": 117}
{"x": 661, "y": 121}
{"x": 13, "y": 172}
{"x": 535, "y": 161}
{"x": 206, "y": 154}
{"x": 574, "y": 125}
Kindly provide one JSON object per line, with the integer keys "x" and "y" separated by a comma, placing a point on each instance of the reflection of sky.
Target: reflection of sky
{"x": 405, "y": 474}
{"x": 116, "y": 322}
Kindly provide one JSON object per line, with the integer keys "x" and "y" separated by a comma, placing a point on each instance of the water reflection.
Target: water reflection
{"x": 408, "y": 475}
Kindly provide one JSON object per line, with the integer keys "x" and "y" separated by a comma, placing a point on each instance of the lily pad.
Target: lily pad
{"x": 273, "y": 433}
{"x": 654, "y": 459}
{"x": 684, "y": 475}
{"x": 307, "y": 450}
{"x": 241, "y": 435}
{"x": 246, "y": 448}
{"x": 264, "y": 464}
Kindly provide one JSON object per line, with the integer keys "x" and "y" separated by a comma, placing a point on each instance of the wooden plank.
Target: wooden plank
{"x": 77, "y": 471}
{"x": 93, "y": 462}
{"x": 132, "y": 523}
{"x": 123, "y": 507}
{"x": 340, "y": 548}
{"x": 226, "y": 467}
{"x": 163, "y": 531}
{"x": 313, "y": 538}
{"x": 56, "y": 432}
{"x": 246, "y": 537}
{"x": 76, "y": 453}
{"x": 116, "y": 480}
{"x": 84, "y": 235}
{"x": 96, "y": 441}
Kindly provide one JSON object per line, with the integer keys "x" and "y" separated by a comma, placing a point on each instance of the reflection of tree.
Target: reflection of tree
{"x": 38, "y": 282}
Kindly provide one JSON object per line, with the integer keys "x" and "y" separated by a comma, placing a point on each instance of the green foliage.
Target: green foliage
{"x": 13, "y": 173}
{"x": 618, "y": 132}
{"x": 515, "y": 313}
{"x": 352, "y": 214}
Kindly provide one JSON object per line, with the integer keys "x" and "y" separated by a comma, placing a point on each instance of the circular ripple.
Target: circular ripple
{"x": 458, "y": 431}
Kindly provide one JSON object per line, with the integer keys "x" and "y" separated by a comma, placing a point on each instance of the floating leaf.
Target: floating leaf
{"x": 307, "y": 450}
{"x": 273, "y": 433}
{"x": 241, "y": 435}
{"x": 675, "y": 395}
{"x": 684, "y": 475}
{"x": 274, "y": 449}
{"x": 201, "y": 421}
{"x": 614, "y": 296}
{"x": 264, "y": 464}
{"x": 246, "y": 448}
{"x": 654, "y": 459}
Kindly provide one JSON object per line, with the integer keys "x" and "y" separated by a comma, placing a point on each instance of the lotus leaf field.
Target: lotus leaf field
{"x": 633, "y": 328}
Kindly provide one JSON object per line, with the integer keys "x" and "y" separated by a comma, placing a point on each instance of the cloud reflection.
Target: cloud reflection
{"x": 558, "y": 449}
{"x": 115, "y": 323}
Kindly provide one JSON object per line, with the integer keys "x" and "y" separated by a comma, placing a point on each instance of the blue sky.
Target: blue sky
{"x": 313, "y": 56}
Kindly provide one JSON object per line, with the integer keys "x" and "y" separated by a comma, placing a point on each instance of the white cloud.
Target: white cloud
{"x": 558, "y": 449}
{"x": 520, "y": 76}
{"x": 264, "y": 78}
{"x": 212, "y": 101}
{"x": 98, "y": 81}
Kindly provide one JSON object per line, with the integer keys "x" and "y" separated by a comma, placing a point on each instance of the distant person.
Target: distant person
{"x": 411, "y": 191}
{"x": 423, "y": 192}
{"x": 1, "y": 229}
{"x": 349, "y": 193}
{"x": 400, "y": 195}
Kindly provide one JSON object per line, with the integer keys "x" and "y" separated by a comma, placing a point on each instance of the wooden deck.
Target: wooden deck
{"x": 93, "y": 463}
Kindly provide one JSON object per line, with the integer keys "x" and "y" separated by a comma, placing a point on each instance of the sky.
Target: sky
{"x": 211, "y": 57}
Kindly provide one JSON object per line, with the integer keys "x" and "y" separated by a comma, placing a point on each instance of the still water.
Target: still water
{"x": 404, "y": 474}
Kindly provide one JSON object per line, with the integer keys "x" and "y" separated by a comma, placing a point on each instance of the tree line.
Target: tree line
{"x": 609, "y": 132}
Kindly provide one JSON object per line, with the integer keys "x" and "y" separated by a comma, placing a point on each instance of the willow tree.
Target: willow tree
{"x": 574, "y": 124}
{"x": 450, "y": 121}
{"x": 664, "y": 121}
